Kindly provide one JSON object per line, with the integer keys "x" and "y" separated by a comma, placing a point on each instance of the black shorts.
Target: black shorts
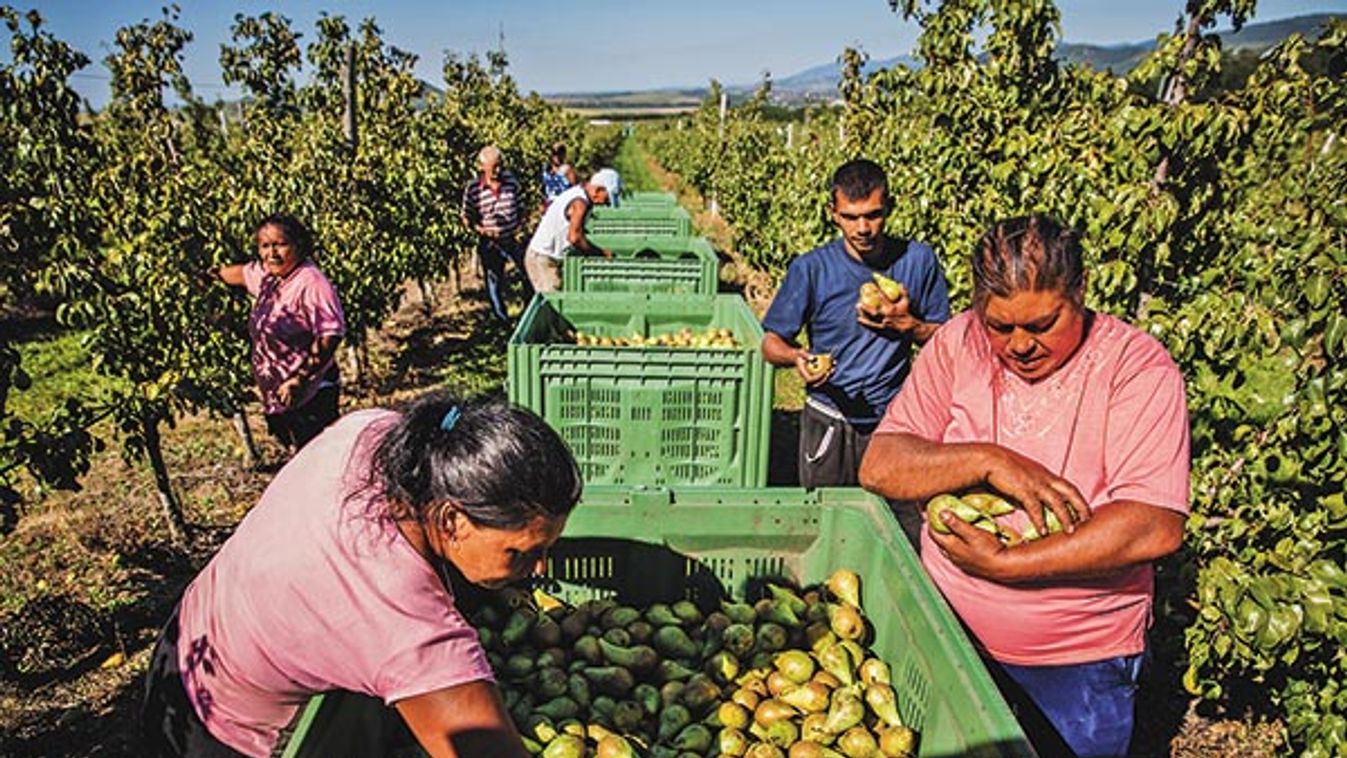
{"x": 295, "y": 427}
{"x": 830, "y": 450}
{"x": 170, "y": 724}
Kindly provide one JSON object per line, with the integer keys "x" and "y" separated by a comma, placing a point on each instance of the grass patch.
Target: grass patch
{"x": 60, "y": 368}
{"x": 631, "y": 164}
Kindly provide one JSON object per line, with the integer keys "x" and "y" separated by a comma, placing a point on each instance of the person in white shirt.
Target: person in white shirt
{"x": 562, "y": 229}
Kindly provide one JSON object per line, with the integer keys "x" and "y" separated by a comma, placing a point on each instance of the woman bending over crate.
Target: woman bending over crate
{"x": 1079, "y": 421}
{"x": 337, "y": 580}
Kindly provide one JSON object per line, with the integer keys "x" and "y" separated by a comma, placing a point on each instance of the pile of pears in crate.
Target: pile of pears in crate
{"x": 787, "y": 676}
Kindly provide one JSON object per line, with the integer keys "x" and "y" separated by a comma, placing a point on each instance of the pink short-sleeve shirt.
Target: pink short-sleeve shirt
{"x": 288, "y": 315}
{"x": 1113, "y": 421}
{"x": 310, "y": 594}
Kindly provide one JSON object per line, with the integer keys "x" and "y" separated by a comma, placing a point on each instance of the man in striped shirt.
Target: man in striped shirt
{"x": 493, "y": 207}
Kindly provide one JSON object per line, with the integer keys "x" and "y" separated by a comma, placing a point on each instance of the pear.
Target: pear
{"x": 733, "y": 715}
{"x": 846, "y": 621}
{"x": 672, "y": 720}
{"x": 820, "y": 363}
{"x": 618, "y": 616}
{"x": 892, "y": 290}
{"x": 940, "y": 503}
{"x": 648, "y": 696}
{"x": 659, "y": 614}
{"x": 732, "y": 742}
{"x": 738, "y": 639}
{"x": 988, "y": 504}
{"x": 796, "y": 665}
{"x": 845, "y": 585}
{"x": 639, "y": 658}
{"x": 546, "y": 632}
{"x": 777, "y": 683}
{"x": 699, "y": 693}
{"x": 739, "y": 613}
{"x": 897, "y": 742}
{"x": 695, "y": 738}
{"x": 610, "y": 680}
{"x": 539, "y": 727}
{"x": 687, "y": 612}
{"x": 783, "y": 733}
{"x": 811, "y": 697}
{"x": 559, "y": 708}
{"x": 858, "y": 742}
{"x": 874, "y": 670}
{"x": 770, "y": 637}
{"x": 565, "y": 746}
{"x": 846, "y": 711}
{"x": 835, "y": 660}
{"x": 587, "y": 647}
{"x": 627, "y": 716}
{"x": 811, "y": 749}
{"x": 870, "y": 297}
{"x": 673, "y": 642}
{"x": 549, "y": 682}
{"x": 884, "y": 703}
{"x": 640, "y": 631}
{"x": 577, "y": 688}
{"x": 776, "y": 612}
{"x": 812, "y": 728}
{"x": 517, "y": 627}
{"x": 614, "y": 746}
{"x": 723, "y": 667}
{"x": 746, "y": 698}
{"x": 764, "y": 750}
{"x": 669, "y": 670}
{"x": 772, "y": 710}
{"x": 787, "y": 597}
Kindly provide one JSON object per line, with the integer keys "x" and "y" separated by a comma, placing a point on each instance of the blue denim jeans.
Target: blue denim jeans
{"x": 493, "y": 254}
{"x": 1090, "y": 707}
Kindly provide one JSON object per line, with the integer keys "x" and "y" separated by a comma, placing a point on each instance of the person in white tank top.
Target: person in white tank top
{"x": 562, "y": 229}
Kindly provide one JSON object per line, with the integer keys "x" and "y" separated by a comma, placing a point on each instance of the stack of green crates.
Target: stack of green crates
{"x": 647, "y": 415}
{"x": 686, "y": 265}
{"x": 646, "y": 545}
{"x": 646, "y": 220}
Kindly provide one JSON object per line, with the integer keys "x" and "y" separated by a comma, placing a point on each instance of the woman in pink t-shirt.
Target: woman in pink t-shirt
{"x": 295, "y": 326}
{"x": 1057, "y": 408}
{"x": 337, "y": 581}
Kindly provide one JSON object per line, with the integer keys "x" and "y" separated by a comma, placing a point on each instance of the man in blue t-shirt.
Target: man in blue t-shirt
{"x": 870, "y": 349}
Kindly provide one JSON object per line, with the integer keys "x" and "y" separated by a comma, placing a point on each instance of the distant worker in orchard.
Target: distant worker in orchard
{"x": 1077, "y": 419}
{"x": 859, "y": 347}
{"x": 558, "y": 175}
{"x": 493, "y": 208}
{"x": 562, "y": 228}
{"x": 346, "y": 577}
{"x": 295, "y": 326}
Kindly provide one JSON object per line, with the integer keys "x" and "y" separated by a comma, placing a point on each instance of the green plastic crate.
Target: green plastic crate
{"x": 647, "y": 415}
{"x": 649, "y": 199}
{"x": 650, "y": 221}
{"x": 644, "y": 264}
{"x": 658, "y": 545}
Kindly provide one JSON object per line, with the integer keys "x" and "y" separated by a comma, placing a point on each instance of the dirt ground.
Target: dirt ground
{"x": 106, "y": 547}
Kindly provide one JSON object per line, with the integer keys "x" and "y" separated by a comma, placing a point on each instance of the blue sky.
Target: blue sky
{"x": 599, "y": 45}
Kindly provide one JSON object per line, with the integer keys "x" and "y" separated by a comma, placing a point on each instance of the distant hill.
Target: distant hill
{"x": 820, "y": 82}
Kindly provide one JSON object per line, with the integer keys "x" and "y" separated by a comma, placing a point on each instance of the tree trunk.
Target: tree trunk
{"x": 250, "y": 455}
{"x": 168, "y": 502}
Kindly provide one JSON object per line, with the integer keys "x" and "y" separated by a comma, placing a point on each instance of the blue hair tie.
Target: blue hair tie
{"x": 451, "y": 418}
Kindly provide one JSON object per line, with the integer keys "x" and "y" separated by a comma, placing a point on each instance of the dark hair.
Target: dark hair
{"x": 1025, "y": 254}
{"x": 856, "y": 179}
{"x": 559, "y": 151}
{"x": 500, "y": 464}
{"x": 296, "y": 233}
